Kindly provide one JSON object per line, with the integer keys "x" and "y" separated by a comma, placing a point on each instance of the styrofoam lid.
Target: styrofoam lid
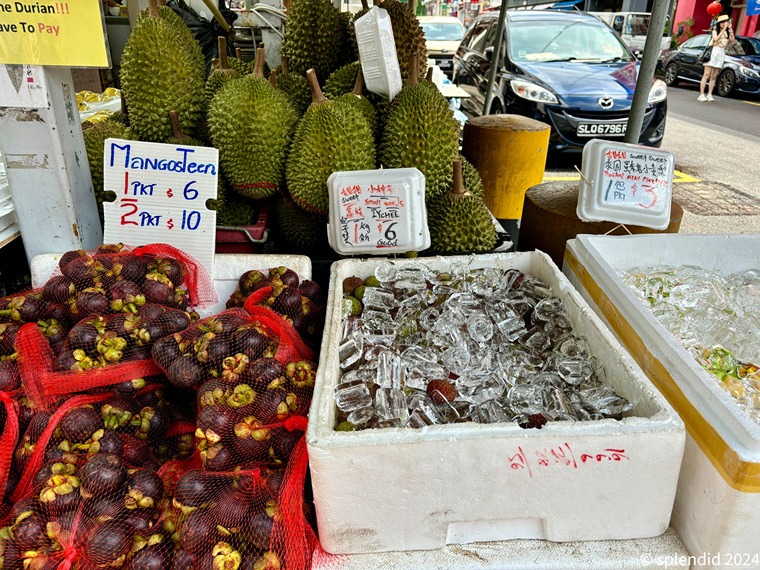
{"x": 377, "y": 53}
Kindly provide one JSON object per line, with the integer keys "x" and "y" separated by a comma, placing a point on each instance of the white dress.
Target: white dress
{"x": 717, "y": 57}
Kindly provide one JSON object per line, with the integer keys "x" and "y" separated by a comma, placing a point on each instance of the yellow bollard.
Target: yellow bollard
{"x": 509, "y": 152}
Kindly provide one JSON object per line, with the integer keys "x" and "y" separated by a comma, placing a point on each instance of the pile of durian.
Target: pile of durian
{"x": 282, "y": 133}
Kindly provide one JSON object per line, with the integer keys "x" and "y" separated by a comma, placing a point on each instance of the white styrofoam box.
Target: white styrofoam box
{"x": 420, "y": 489}
{"x": 377, "y": 52}
{"x": 228, "y": 267}
{"x": 717, "y": 507}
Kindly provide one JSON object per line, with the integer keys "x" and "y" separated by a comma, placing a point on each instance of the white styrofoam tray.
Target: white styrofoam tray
{"x": 410, "y": 489}
{"x": 717, "y": 506}
{"x": 228, "y": 267}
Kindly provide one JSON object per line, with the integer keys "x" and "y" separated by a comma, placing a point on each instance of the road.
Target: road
{"x": 716, "y": 146}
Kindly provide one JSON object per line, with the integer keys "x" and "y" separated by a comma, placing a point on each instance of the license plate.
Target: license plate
{"x": 596, "y": 129}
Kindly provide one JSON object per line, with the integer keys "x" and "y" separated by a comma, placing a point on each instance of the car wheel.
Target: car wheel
{"x": 726, "y": 82}
{"x": 671, "y": 74}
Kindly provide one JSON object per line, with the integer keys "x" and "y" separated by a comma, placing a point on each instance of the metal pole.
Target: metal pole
{"x": 646, "y": 70}
{"x": 496, "y": 55}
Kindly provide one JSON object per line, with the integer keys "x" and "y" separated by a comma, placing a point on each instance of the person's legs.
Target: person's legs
{"x": 713, "y": 78}
{"x": 702, "y": 82}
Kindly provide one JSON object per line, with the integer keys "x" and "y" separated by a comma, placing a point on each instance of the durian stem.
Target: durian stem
{"x": 161, "y": 3}
{"x": 222, "y": 43}
{"x": 176, "y": 126}
{"x": 458, "y": 188}
{"x": 258, "y": 69}
{"x": 239, "y": 54}
{"x": 273, "y": 78}
{"x": 123, "y": 103}
{"x": 359, "y": 85}
{"x": 316, "y": 93}
{"x": 429, "y": 76}
{"x": 284, "y": 60}
{"x": 365, "y": 5}
{"x": 153, "y": 8}
{"x": 412, "y": 5}
{"x": 414, "y": 73}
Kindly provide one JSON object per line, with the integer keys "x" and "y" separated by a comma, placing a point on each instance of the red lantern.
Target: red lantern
{"x": 714, "y": 9}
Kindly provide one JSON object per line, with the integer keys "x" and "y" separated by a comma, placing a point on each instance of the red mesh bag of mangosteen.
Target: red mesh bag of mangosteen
{"x": 253, "y": 517}
{"x": 97, "y": 513}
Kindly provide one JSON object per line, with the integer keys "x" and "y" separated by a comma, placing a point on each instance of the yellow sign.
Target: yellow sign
{"x": 68, "y": 33}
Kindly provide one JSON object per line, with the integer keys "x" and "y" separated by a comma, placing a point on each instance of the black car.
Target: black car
{"x": 567, "y": 69}
{"x": 741, "y": 69}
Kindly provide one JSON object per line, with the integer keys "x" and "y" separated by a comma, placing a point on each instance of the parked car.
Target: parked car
{"x": 632, "y": 27}
{"x": 741, "y": 69}
{"x": 567, "y": 69}
{"x": 442, "y": 37}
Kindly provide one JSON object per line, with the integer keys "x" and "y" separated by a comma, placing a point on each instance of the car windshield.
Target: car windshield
{"x": 744, "y": 46}
{"x": 556, "y": 40}
{"x": 638, "y": 25}
{"x": 443, "y": 32}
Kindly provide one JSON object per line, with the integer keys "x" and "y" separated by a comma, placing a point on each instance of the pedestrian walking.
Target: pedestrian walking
{"x": 722, "y": 34}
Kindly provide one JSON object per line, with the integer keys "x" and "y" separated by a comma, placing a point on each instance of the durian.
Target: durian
{"x": 237, "y": 210}
{"x": 252, "y": 125}
{"x": 331, "y": 137}
{"x": 304, "y": 232}
{"x": 313, "y": 37}
{"x": 472, "y": 180}
{"x": 421, "y": 132}
{"x": 342, "y": 80}
{"x": 221, "y": 72}
{"x": 407, "y": 33}
{"x": 356, "y": 99}
{"x": 238, "y": 64}
{"x": 295, "y": 86}
{"x": 160, "y": 72}
{"x": 459, "y": 222}
{"x": 353, "y": 46}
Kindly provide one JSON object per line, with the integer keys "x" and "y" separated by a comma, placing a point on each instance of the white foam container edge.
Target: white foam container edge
{"x": 407, "y": 489}
{"x": 228, "y": 267}
{"x": 711, "y": 512}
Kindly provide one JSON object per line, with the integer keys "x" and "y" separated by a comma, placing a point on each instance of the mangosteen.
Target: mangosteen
{"x": 101, "y": 509}
{"x": 283, "y": 443}
{"x": 26, "y": 413}
{"x": 158, "y": 292}
{"x": 211, "y": 348}
{"x": 54, "y": 332}
{"x": 311, "y": 290}
{"x": 154, "y": 557}
{"x": 215, "y": 424}
{"x": 86, "y": 333}
{"x": 9, "y": 376}
{"x": 93, "y": 301}
{"x": 70, "y": 256}
{"x": 110, "y": 443}
{"x": 8, "y": 333}
{"x": 175, "y": 321}
{"x": 80, "y": 423}
{"x": 144, "y": 489}
{"x": 141, "y": 520}
{"x": 237, "y": 299}
{"x": 136, "y": 452}
{"x": 181, "y": 299}
{"x": 59, "y": 493}
{"x": 129, "y": 388}
{"x": 59, "y": 289}
{"x": 250, "y": 340}
{"x": 150, "y": 423}
{"x": 267, "y": 373}
{"x": 103, "y": 474}
{"x": 274, "y": 479}
{"x": 301, "y": 374}
{"x": 199, "y": 532}
{"x": 29, "y": 532}
{"x": 272, "y": 406}
{"x": 111, "y": 346}
{"x": 107, "y": 544}
{"x": 182, "y": 560}
{"x": 51, "y": 468}
{"x": 22, "y": 309}
{"x": 151, "y": 311}
{"x": 229, "y": 321}
{"x": 116, "y": 412}
{"x": 155, "y": 397}
{"x": 139, "y": 353}
{"x": 125, "y": 296}
{"x": 234, "y": 367}
{"x": 251, "y": 439}
{"x": 288, "y": 277}
{"x": 196, "y": 488}
{"x": 250, "y": 280}
{"x": 219, "y": 458}
{"x": 231, "y": 510}
{"x": 129, "y": 266}
{"x": 222, "y": 555}
{"x": 10, "y": 484}
{"x": 288, "y": 301}
{"x": 171, "y": 268}
{"x": 259, "y": 529}
{"x": 57, "y": 312}
{"x": 185, "y": 372}
{"x": 269, "y": 560}
{"x": 166, "y": 350}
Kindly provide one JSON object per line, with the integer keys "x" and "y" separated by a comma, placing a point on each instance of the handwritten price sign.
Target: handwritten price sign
{"x": 378, "y": 211}
{"x": 625, "y": 183}
{"x": 161, "y": 192}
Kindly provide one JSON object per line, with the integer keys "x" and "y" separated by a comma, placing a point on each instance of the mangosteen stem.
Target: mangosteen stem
{"x": 273, "y": 78}
{"x": 258, "y": 69}
{"x": 284, "y": 63}
{"x": 153, "y": 8}
{"x": 414, "y": 72}
{"x": 176, "y": 126}
{"x": 222, "y": 43}
{"x": 359, "y": 85}
{"x": 458, "y": 188}
{"x": 316, "y": 93}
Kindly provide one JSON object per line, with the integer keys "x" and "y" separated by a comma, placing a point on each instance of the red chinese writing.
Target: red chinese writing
{"x": 561, "y": 456}
{"x": 616, "y": 154}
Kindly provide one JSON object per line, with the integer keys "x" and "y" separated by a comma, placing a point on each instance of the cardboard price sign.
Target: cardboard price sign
{"x": 68, "y": 33}
{"x": 626, "y": 183}
{"x": 378, "y": 211}
{"x": 161, "y": 192}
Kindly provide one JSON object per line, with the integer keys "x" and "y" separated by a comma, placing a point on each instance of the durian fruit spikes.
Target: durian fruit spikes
{"x": 221, "y": 72}
{"x": 295, "y": 86}
{"x": 459, "y": 222}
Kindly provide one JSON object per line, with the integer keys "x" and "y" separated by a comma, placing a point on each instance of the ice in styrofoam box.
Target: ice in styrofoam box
{"x": 420, "y": 489}
{"x": 717, "y": 506}
{"x": 377, "y": 53}
{"x": 228, "y": 267}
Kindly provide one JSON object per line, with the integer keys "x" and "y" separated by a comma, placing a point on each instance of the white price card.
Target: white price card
{"x": 161, "y": 192}
{"x": 377, "y": 212}
{"x": 626, "y": 184}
